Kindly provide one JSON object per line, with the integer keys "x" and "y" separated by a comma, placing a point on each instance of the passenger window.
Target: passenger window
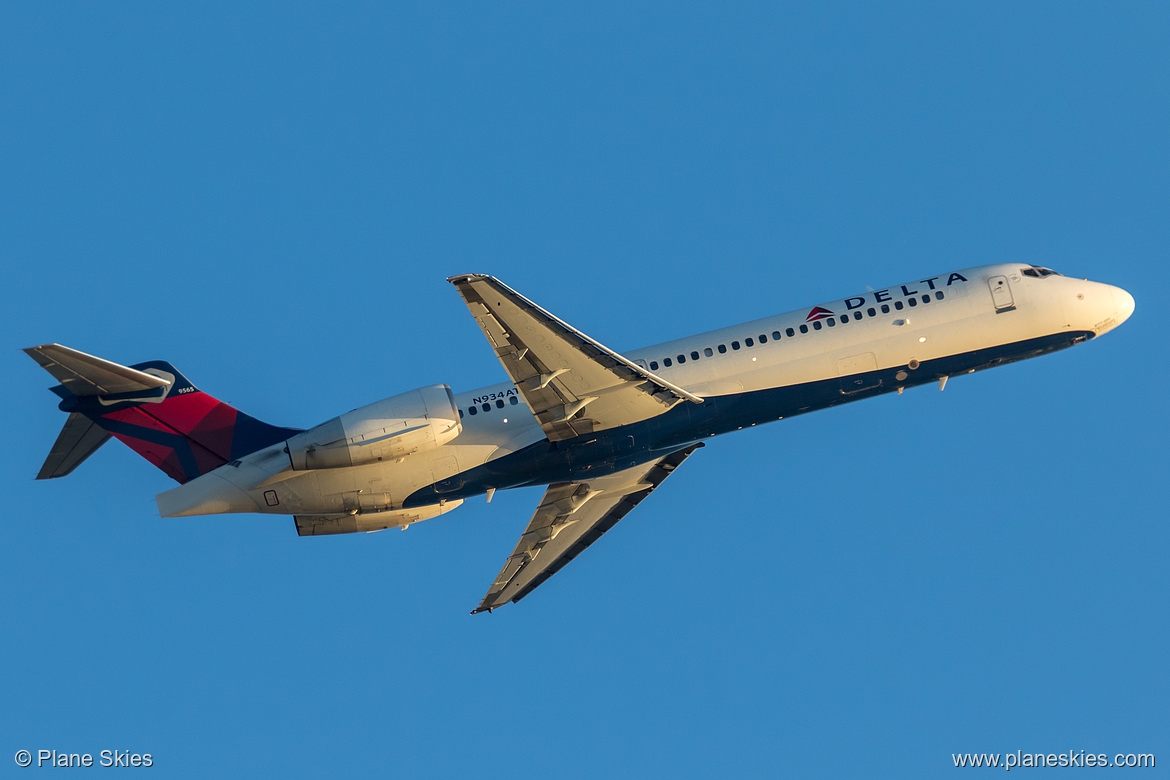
{"x": 694, "y": 356}
{"x": 749, "y": 342}
{"x": 871, "y": 312}
{"x": 790, "y": 332}
{"x": 816, "y": 325}
{"x": 682, "y": 359}
{"x": 666, "y": 362}
{"x": 912, "y": 301}
{"x": 763, "y": 339}
{"x": 513, "y": 400}
{"x": 857, "y": 315}
{"x": 898, "y": 305}
{"x": 831, "y": 322}
{"x": 926, "y": 299}
{"x": 775, "y": 335}
{"x": 938, "y": 296}
{"x": 708, "y": 352}
{"x": 653, "y": 365}
{"x": 804, "y": 328}
{"x": 500, "y": 404}
{"x": 885, "y": 308}
{"x": 722, "y": 349}
{"x": 844, "y": 319}
{"x": 735, "y": 345}
{"x": 460, "y": 414}
{"x": 487, "y": 407}
{"x": 472, "y": 411}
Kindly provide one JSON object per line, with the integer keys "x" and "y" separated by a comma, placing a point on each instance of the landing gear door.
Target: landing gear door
{"x": 1001, "y": 294}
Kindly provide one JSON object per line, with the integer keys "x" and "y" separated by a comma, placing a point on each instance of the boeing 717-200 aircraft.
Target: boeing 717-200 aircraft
{"x": 601, "y": 429}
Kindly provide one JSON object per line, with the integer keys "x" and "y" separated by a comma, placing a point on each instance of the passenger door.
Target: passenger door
{"x": 1001, "y": 294}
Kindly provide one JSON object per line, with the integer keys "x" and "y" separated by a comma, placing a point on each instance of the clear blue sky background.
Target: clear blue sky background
{"x": 271, "y": 197}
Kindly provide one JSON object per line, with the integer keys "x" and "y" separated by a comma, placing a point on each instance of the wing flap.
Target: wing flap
{"x": 570, "y": 517}
{"x": 572, "y": 383}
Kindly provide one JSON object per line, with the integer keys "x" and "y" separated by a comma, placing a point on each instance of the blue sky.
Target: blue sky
{"x": 271, "y": 197}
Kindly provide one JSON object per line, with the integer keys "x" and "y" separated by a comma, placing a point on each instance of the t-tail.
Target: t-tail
{"x": 151, "y": 408}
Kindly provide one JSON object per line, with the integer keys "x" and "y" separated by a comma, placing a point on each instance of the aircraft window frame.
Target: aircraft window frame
{"x": 871, "y": 311}
{"x": 830, "y": 321}
{"x": 499, "y": 403}
{"x": 487, "y": 407}
{"x": 817, "y": 325}
{"x": 844, "y": 319}
{"x": 926, "y": 299}
{"x": 460, "y": 414}
{"x": 667, "y": 362}
{"x": 694, "y": 354}
{"x": 804, "y": 328}
{"x": 748, "y": 342}
{"x": 735, "y": 345}
{"x": 912, "y": 302}
{"x": 790, "y": 333}
{"x": 722, "y": 349}
{"x": 885, "y": 308}
{"x": 938, "y": 295}
{"x": 762, "y": 338}
{"x": 776, "y": 335}
{"x": 653, "y": 365}
{"x": 513, "y": 400}
{"x": 857, "y": 316}
{"x": 473, "y": 410}
{"x": 899, "y": 305}
{"x": 682, "y": 359}
{"x": 707, "y": 351}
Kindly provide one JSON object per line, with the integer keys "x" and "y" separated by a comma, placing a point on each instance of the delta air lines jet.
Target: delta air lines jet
{"x": 601, "y": 430}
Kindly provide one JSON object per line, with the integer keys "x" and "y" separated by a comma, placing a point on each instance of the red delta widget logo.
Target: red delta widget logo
{"x": 818, "y": 313}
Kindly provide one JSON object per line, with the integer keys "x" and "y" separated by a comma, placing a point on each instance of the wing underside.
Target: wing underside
{"x": 573, "y": 384}
{"x": 570, "y": 517}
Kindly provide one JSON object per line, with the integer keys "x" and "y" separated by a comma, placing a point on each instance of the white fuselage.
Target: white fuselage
{"x": 878, "y": 342}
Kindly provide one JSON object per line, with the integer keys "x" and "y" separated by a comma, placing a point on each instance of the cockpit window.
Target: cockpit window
{"x": 1039, "y": 271}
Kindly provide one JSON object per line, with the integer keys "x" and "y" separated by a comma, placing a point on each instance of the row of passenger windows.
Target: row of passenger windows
{"x": 830, "y": 322}
{"x": 474, "y": 410}
{"x": 747, "y": 342}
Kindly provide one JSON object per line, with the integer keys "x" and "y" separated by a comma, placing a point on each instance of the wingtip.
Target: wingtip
{"x": 466, "y": 278}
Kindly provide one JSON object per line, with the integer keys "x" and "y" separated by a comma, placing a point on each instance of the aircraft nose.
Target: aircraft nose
{"x": 1124, "y": 304}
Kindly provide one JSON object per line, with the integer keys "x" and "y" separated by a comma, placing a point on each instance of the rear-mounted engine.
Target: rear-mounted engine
{"x": 390, "y": 429}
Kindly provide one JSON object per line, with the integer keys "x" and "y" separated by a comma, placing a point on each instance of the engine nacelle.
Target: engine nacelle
{"x": 387, "y": 430}
{"x": 320, "y": 525}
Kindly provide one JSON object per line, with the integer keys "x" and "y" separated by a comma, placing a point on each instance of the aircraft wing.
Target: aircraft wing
{"x": 573, "y": 384}
{"x": 572, "y": 516}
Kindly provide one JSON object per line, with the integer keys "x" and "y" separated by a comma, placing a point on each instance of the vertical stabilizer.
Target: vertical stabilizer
{"x": 150, "y": 407}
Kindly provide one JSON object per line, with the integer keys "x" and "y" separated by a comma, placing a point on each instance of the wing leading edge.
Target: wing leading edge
{"x": 570, "y": 517}
{"x": 573, "y": 384}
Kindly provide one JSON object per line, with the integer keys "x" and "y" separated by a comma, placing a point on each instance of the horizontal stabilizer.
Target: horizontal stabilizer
{"x": 79, "y": 439}
{"x": 86, "y": 375}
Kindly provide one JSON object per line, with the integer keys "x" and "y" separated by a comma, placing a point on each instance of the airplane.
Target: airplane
{"x": 601, "y": 430}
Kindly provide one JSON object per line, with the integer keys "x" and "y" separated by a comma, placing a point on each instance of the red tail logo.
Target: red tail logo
{"x": 818, "y": 313}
